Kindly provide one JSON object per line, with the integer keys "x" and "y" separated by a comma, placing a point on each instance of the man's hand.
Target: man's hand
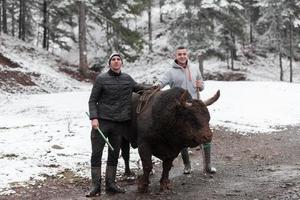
{"x": 95, "y": 123}
{"x": 199, "y": 83}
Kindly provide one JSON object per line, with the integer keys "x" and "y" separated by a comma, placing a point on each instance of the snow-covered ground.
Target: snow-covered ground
{"x": 43, "y": 134}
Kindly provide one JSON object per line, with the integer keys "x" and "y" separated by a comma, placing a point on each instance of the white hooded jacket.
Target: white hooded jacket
{"x": 181, "y": 77}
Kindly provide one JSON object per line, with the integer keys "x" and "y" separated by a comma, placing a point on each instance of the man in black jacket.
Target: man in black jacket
{"x": 110, "y": 110}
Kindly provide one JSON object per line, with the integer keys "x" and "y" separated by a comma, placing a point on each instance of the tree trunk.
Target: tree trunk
{"x": 13, "y": 19}
{"x": 22, "y": 19}
{"x": 233, "y": 47}
{"x": 161, "y": 3}
{"x": 116, "y": 43}
{"x": 232, "y": 50}
{"x": 280, "y": 65}
{"x": 45, "y": 25}
{"x": 107, "y": 34}
{"x": 0, "y": 17}
{"x": 291, "y": 49}
{"x": 227, "y": 59}
{"x": 189, "y": 28}
{"x": 251, "y": 33}
{"x": 4, "y": 16}
{"x": 232, "y": 59}
{"x": 251, "y": 21}
{"x": 82, "y": 39}
{"x": 150, "y": 25}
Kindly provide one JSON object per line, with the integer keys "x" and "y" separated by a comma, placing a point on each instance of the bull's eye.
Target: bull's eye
{"x": 195, "y": 122}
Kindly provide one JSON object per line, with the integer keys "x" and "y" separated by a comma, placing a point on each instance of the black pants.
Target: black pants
{"x": 112, "y": 130}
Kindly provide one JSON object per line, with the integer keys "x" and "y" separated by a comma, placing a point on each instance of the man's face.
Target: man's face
{"x": 116, "y": 63}
{"x": 181, "y": 56}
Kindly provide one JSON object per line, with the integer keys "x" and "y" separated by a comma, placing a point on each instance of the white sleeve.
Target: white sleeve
{"x": 165, "y": 80}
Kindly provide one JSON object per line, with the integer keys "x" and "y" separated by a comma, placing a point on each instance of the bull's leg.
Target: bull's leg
{"x": 125, "y": 147}
{"x": 146, "y": 157}
{"x": 164, "y": 181}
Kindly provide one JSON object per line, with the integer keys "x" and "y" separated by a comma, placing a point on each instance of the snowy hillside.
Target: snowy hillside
{"x": 25, "y": 69}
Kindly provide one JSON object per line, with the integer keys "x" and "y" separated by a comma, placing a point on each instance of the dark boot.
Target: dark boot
{"x": 111, "y": 185}
{"x": 96, "y": 182}
{"x": 186, "y": 161}
{"x": 207, "y": 161}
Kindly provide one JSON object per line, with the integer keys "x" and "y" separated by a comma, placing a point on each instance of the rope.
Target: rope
{"x": 144, "y": 98}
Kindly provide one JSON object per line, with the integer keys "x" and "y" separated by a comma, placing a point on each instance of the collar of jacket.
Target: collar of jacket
{"x": 187, "y": 68}
{"x": 112, "y": 73}
{"x": 175, "y": 65}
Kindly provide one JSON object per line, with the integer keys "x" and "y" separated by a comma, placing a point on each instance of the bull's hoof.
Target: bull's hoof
{"x": 165, "y": 185}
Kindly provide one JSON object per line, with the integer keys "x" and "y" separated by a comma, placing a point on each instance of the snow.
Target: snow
{"x": 42, "y": 130}
{"x": 42, "y": 135}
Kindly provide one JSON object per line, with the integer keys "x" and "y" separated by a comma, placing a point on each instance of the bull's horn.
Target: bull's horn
{"x": 213, "y": 99}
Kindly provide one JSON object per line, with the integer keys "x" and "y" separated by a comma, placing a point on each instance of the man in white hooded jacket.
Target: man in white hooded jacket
{"x": 187, "y": 76}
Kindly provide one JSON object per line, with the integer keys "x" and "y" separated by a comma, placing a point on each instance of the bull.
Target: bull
{"x": 171, "y": 121}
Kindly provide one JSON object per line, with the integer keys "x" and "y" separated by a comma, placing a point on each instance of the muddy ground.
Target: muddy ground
{"x": 260, "y": 166}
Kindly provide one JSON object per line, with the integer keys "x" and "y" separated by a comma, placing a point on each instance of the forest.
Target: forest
{"x": 222, "y": 28}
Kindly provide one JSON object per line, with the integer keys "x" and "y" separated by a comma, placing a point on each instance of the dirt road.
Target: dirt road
{"x": 260, "y": 166}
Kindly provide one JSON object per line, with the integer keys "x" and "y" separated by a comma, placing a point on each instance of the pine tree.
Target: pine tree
{"x": 120, "y": 38}
{"x": 277, "y": 29}
{"x": 232, "y": 27}
{"x": 251, "y": 15}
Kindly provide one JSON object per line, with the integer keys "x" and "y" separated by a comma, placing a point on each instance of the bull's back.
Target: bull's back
{"x": 141, "y": 129}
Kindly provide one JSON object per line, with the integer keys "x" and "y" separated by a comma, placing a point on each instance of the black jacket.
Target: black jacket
{"x": 110, "y": 98}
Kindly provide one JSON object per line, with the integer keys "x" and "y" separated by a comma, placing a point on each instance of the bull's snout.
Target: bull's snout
{"x": 205, "y": 136}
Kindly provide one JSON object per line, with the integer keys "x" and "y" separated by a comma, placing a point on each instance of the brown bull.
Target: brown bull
{"x": 171, "y": 121}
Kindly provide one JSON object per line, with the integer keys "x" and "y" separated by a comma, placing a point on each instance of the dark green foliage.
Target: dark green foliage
{"x": 201, "y": 28}
{"x": 119, "y": 37}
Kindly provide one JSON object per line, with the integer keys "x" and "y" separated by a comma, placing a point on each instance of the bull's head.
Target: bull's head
{"x": 196, "y": 120}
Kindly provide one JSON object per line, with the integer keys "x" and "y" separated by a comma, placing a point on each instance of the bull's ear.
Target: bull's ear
{"x": 184, "y": 97}
{"x": 213, "y": 99}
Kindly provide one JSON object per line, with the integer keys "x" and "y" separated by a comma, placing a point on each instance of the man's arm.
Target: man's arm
{"x": 94, "y": 97}
{"x": 165, "y": 80}
{"x": 139, "y": 87}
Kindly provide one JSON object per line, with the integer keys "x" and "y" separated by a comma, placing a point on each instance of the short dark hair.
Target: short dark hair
{"x": 180, "y": 47}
